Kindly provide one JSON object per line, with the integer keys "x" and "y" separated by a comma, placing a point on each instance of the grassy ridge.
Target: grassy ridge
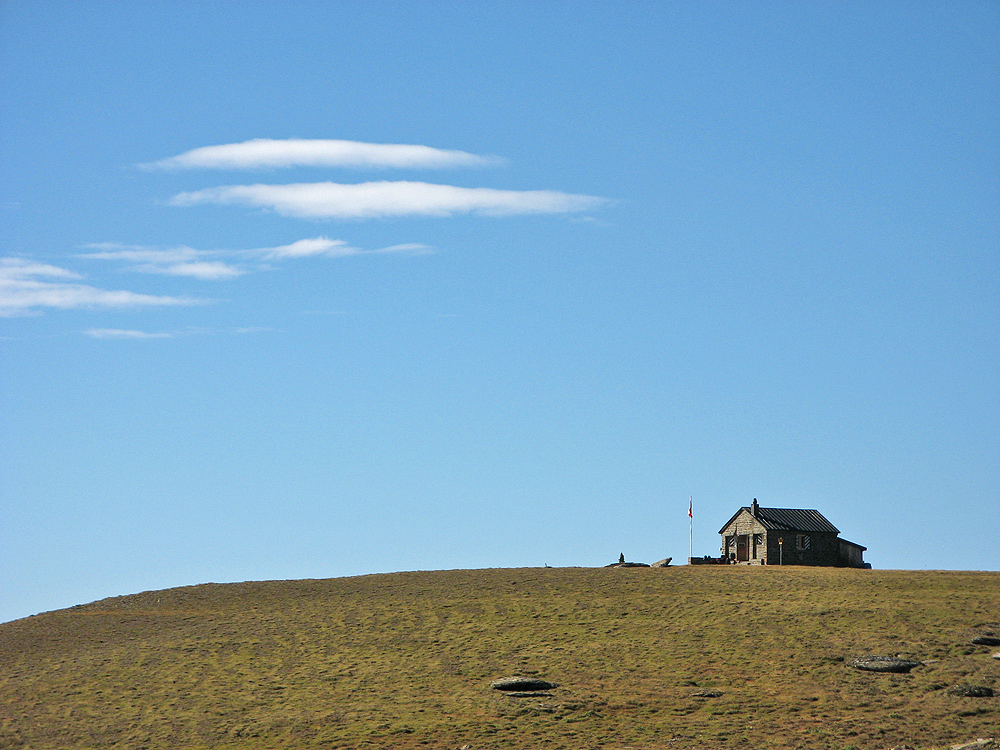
{"x": 404, "y": 660}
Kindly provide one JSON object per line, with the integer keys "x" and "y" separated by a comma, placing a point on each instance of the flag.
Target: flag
{"x": 690, "y": 507}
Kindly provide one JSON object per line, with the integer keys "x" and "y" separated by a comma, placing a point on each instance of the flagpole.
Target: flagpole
{"x": 691, "y": 529}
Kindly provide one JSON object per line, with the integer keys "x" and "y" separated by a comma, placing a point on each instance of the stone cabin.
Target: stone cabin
{"x": 787, "y": 536}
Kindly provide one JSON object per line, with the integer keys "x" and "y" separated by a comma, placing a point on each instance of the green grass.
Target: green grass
{"x": 404, "y": 660}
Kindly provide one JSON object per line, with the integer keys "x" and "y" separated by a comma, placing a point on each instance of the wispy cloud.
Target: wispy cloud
{"x": 22, "y": 269}
{"x": 199, "y": 270}
{"x": 331, "y": 200}
{"x": 264, "y": 153}
{"x": 27, "y": 286}
{"x": 199, "y": 264}
{"x": 338, "y": 249}
{"x": 407, "y": 248}
{"x": 323, "y": 246}
{"x": 175, "y": 261}
{"x": 133, "y": 334}
{"x": 124, "y": 333}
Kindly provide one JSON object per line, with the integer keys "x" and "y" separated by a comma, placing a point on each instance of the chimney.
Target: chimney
{"x": 754, "y": 508}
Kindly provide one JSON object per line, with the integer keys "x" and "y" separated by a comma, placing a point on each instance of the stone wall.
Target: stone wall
{"x": 745, "y": 525}
{"x": 823, "y": 548}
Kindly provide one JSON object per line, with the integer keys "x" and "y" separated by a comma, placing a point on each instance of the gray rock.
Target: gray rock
{"x": 883, "y": 664}
{"x": 980, "y": 744}
{"x": 707, "y": 694}
{"x": 662, "y": 563}
{"x": 986, "y": 640}
{"x": 522, "y": 684}
{"x": 971, "y": 691}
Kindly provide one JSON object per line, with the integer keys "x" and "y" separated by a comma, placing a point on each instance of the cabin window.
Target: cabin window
{"x": 802, "y": 541}
{"x": 758, "y": 538}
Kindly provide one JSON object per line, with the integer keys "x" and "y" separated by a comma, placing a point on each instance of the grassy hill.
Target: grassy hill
{"x": 405, "y": 660}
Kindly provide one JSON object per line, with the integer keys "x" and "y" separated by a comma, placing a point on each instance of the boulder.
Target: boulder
{"x": 971, "y": 691}
{"x": 522, "y": 684}
{"x": 883, "y": 664}
{"x": 662, "y": 563}
{"x": 707, "y": 694}
{"x": 986, "y": 640}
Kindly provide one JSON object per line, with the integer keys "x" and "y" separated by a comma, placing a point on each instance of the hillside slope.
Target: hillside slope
{"x": 405, "y": 660}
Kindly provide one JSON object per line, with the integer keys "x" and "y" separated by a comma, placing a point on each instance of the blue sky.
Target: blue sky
{"x": 301, "y": 290}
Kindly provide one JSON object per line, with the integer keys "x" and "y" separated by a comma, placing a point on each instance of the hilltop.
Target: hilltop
{"x": 405, "y": 660}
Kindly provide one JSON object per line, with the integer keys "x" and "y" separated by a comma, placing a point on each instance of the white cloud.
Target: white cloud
{"x": 409, "y": 248}
{"x": 16, "y": 269}
{"x": 177, "y": 261}
{"x": 308, "y": 248}
{"x": 337, "y": 249}
{"x": 129, "y": 333}
{"x": 331, "y": 200}
{"x": 209, "y": 270}
{"x": 122, "y": 333}
{"x": 186, "y": 261}
{"x": 268, "y": 153}
{"x": 26, "y": 286}
{"x": 143, "y": 253}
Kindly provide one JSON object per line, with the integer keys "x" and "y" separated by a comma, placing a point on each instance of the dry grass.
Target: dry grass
{"x": 405, "y": 660}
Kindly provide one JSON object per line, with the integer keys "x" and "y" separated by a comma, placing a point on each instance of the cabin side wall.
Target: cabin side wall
{"x": 803, "y": 548}
{"x": 851, "y": 555}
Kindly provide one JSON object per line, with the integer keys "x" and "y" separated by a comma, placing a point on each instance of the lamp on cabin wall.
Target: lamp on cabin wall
{"x": 781, "y": 550}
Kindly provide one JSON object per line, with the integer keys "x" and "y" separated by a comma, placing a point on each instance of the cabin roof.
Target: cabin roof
{"x": 788, "y": 519}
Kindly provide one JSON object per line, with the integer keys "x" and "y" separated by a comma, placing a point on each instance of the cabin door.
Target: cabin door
{"x": 742, "y": 548}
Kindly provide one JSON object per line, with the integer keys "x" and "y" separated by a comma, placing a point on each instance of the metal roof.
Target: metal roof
{"x": 794, "y": 519}
{"x": 789, "y": 519}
